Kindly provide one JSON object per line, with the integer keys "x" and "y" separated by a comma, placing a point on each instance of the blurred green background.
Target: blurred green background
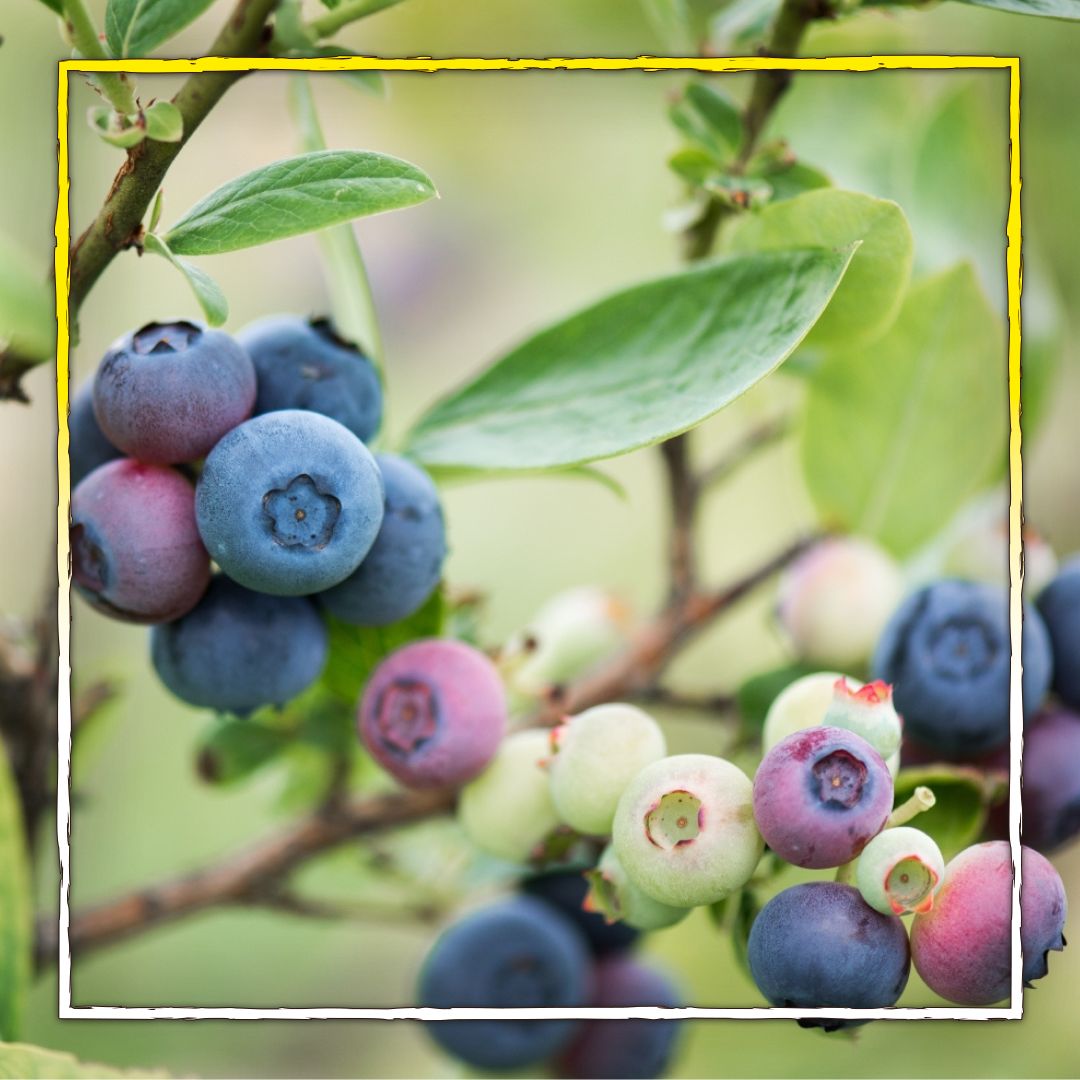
{"x": 553, "y": 188}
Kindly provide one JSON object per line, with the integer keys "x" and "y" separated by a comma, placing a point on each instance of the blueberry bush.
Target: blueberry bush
{"x": 237, "y": 493}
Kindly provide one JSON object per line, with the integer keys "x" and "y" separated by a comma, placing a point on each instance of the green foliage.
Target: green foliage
{"x": 234, "y": 748}
{"x": 746, "y": 910}
{"x": 356, "y": 650}
{"x": 16, "y": 921}
{"x": 870, "y": 294}
{"x": 896, "y": 437}
{"x": 136, "y": 27}
{"x": 636, "y": 368}
{"x": 757, "y": 693}
{"x": 709, "y": 120}
{"x": 1055, "y": 9}
{"x": 53, "y": 5}
{"x": 786, "y": 176}
{"x": 207, "y": 291}
{"x": 35, "y": 1063}
{"x": 27, "y": 305}
{"x": 115, "y": 128}
{"x": 298, "y": 195}
{"x": 164, "y": 122}
{"x": 963, "y": 796}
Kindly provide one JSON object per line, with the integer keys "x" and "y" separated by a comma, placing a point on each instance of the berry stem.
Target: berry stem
{"x": 117, "y": 89}
{"x": 922, "y": 798}
{"x": 348, "y": 12}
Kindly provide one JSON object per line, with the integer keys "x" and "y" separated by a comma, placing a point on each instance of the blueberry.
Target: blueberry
{"x": 168, "y": 392}
{"x": 613, "y": 894}
{"x": 289, "y": 503}
{"x": 507, "y": 810}
{"x": 433, "y": 713}
{"x": 404, "y": 564}
{"x": 820, "y": 796}
{"x": 624, "y": 1048}
{"x": 517, "y": 953}
{"x": 869, "y": 712}
{"x": 239, "y": 650}
{"x": 836, "y": 598}
{"x": 900, "y": 871}
{"x": 962, "y": 947}
{"x": 135, "y": 551}
{"x": 820, "y": 944}
{"x": 684, "y": 830}
{"x": 946, "y": 651}
{"x": 1051, "y": 790}
{"x": 88, "y": 447}
{"x": 1059, "y": 604}
{"x": 305, "y": 364}
{"x": 567, "y": 891}
{"x": 799, "y": 705}
{"x": 596, "y": 754}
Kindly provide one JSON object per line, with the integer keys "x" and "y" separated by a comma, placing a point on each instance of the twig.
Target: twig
{"x": 683, "y": 491}
{"x": 676, "y": 699}
{"x": 758, "y": 438}
{"x": 292, "y": 903}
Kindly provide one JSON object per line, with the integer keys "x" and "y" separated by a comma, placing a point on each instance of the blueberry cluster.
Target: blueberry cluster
{"x": 193, "y": 449}
{"x": 541, "y": 949}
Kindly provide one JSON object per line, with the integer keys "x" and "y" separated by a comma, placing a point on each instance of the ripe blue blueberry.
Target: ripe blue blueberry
{"x": 289, "y": 503}
{"x": 1059, "y": 604}
{"x": 89, "y": 447}
{"x": 946, "y": 651}
{"x": 135, "y": 551}
{"x": 820, "y": 796}
{"x": 306, "y": 364}
{"x": 820, "y": 944}
{"x": 631, "y": 1049}
{"x": 238, "y": 649}
{"x": 434, "y": 713}
{"x": 168, "y": 392}
{"x": 566, "y": 891}
{"x": 517, "y": 953}
{"x": 1051, "y": 788}
{"x": 404, "y": 564}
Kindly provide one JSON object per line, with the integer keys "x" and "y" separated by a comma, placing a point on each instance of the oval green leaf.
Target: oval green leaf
{"x": 1054, "y": 9}
{"x": 27, "y": 305}
{"x": 37, "y": 1063}
{"x": 896, "y": 437}
{"x": 297, "y": 195}
{"x": 207, "y": 291}
{"x": 16, "y": 923}
{"x": 636, "y": 368}
{"x": 962, "y": 803}
{"x": 135, "y": 27}
{"x": 873, "y": 287}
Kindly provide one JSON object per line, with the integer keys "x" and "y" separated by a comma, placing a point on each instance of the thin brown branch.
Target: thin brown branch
{"x": 289, "y": 902}
{"x": 757, "y": 438}
{"x": 677, "y": 699}
{"x": 683, "y": 491}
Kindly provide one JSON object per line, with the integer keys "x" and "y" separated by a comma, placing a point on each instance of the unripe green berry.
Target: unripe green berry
{"x": 869, "y": 712}
{"x": 507, "y": 810}
{"x": 899, "y": 871}
{"x": 684, "y": 830}
{"x": 618, "y": 899}
{"x": 594, "y": 756}
{"x": 800, "y": 705}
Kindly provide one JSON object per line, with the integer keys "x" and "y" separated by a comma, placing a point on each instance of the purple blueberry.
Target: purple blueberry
{"x": 629, "y": 1049}
{"x": 168, "y": 392}
{"x": 962, "y": 947}
{"x": 434, "y": 713}
{"x": 289, "y": 503}
{"x": 946, "y": 651}
{"x": 820, "y": 944}
{"x": 820, "y": 796}
{"x": 306, "y": 364}
{"x": 239, "y": 650}
{"x": 88, "y": 447}
{"x": 1051, "y": 789}
{"x": 135, "y": 551}
{"x": 404, "y": 565}
{"x": 1059, "y": 604}
{"x": 517, "y": 953}
{"x": 566, "y": 891}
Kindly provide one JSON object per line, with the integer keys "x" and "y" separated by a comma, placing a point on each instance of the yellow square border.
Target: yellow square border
{"x": 1014, "y": 275}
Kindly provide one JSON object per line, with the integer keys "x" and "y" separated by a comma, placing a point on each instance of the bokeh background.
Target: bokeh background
{"x": 553, "y": 191}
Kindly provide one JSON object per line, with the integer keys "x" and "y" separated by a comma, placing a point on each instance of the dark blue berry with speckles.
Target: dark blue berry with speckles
{"x": 306, "y": 364}
{"x": 1059, "y": 605}
{"x": 566, "y": 890}
{"x": 289, "y": 503}
{"x": 88, "y": 447}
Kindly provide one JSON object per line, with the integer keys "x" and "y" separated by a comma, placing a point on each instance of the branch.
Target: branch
{"x": 758, "y": 438}
{"x": 683, "y": 491}
{"x": 119, "y": 220}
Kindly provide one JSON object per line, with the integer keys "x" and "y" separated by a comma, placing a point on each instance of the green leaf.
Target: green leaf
{"x": 636, "y": 368}
{"x": 298, "y": 195}
{"x": 136, "y": 27}
{"x": 897, "y": 437}
{"x": 27, "y": 304}
{"x": 371, "y": 82}
{"x": 356, "y": 650}
{"x": 155, "y": 211}
{"x": 746, "y": 911}
{"x": 788, "y": 177}
{"x": 36, "y": 1063}
{"x": 16, "y": 920}
{"x": 54, "y": 5}
{"x": 446, "y": 476}
{"x": 1054, "y": 9}
{"x": 963, "y": 796}
{"x": 117, "y": 130}
{"x": 207, "y": 291}
{"x": 718, "y": 114}
{"x": 754, "y": 698}
{"x": 870, "y": 295}
{"x": 692, "y": 165}
{"x": 164, "y": 122}
{"x": 234, "y": 748}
